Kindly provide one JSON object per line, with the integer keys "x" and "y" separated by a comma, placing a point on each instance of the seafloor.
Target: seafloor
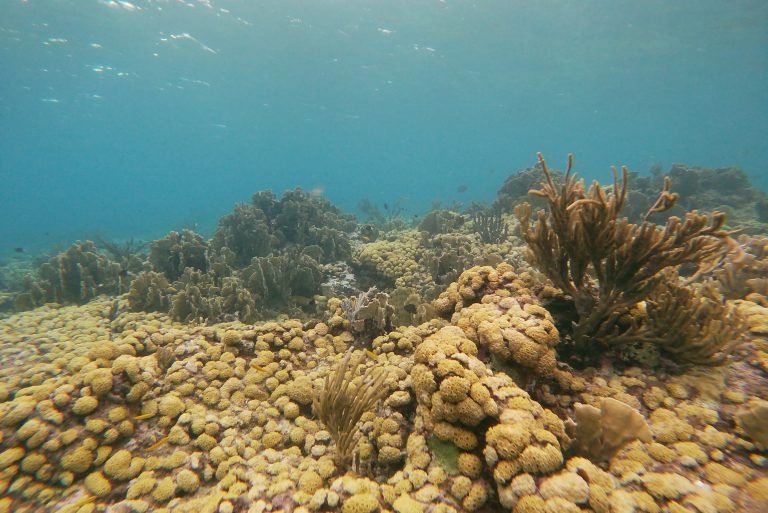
{"x": 85, "y": 401}
{"x": 104, "y": 408}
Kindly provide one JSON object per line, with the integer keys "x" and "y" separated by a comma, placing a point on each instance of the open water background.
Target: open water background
{"x": 132, "y": 119}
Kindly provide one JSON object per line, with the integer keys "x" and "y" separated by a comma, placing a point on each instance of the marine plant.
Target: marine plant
{"x": 608, "y": 265}
{"x": 343, "y": 400}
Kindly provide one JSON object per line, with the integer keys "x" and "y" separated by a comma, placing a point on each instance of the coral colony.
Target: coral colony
{"x": 570, "y": 350}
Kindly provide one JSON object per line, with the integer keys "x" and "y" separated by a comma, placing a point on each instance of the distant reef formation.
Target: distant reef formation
{"x": 519, "y": 359}
{"x": 291, "y": 255}
{"x": 726, "y": 190}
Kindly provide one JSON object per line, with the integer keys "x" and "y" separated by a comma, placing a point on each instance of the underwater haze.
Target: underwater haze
{"x": 133, "y": 118}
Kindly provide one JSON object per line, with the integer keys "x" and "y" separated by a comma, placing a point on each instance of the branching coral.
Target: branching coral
{"x": 490, "y": 225}
{"x": 343, "y": 401}
{"x": 607, "y": 264}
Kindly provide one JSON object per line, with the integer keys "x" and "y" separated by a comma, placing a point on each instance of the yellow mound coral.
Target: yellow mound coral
{"x": 121, "y": 466}
{"x": 187, "y": 481}
{"x": 360, "y": 503}
{"x": 97, "y": 484}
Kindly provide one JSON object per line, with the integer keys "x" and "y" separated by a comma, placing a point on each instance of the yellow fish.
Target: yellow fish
{"x": 85, "y": 500}
{"x": 145, "y": 416}
{"x": 157, "y": 444}
{"x": 371, "y": 354}
{"x": 256, "y": 366}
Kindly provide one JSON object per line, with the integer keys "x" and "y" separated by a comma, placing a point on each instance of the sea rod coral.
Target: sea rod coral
{"x": 609, "y": 265}
{"x": 341, "y": 403}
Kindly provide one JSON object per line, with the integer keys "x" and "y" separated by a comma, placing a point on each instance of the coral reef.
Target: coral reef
{"x": 76, "y": 275}
{"x": 722, "y": 189}
{"x": 441, "y": 221}
{"x": 407, "y": 259}
{"x": 133, "y": 411}
{"x": 129, "y": 253}
{"x": 304, "y": 366}
{"x": 516, "y": 186}
{"x": 245, "y": 232}
{"x": 393, "y": 217}
{"x": 298, "y": 218}
{"x": 747, "y": 271}
{"x": 149, "y": 292}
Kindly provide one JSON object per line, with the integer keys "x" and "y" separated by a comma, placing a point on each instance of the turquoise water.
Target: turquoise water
{"x": 131, "y": 119}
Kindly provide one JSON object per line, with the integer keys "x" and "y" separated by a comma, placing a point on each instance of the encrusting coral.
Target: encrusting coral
{"x": 600, "y": 433}
{"x": 608, "y": 265}
{"x": 754, "y": 422}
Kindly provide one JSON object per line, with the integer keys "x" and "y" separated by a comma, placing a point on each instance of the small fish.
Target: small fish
{"x": 123, "y": 273}
{"x": 257, "y": 367}
{"x": 371, "y": 355}
{"x": 20, "y": 250}
{"x": 157, "y": 444}
{"x": 386, "y": 207}
{"x": 85, "y": 500}
{"x": 462, "y": 188}
{"x": 144, "y": 416}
